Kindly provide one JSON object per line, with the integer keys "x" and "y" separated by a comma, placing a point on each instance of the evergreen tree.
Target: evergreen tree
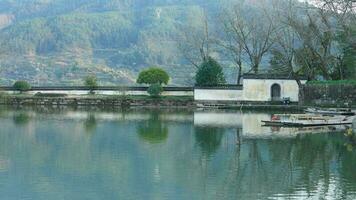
{"x": 210, "y": 73}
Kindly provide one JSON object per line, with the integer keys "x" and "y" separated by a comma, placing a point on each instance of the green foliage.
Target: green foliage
{"x": 153, "y": 75}
{"x": 91, "y": 82}
{"x": 210, "y": 73}
{"x": 155, "y": 90}
{"x": 56, "y": 34}
{"x": 346, "y": 65}
{"x": 109, "y": 32}
{"x": 22, "y": 86}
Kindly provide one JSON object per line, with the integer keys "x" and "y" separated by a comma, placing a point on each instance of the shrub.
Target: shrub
{"x": 153, "y": 75}
{"x": 155, "y": 90}
{"x": 91, "y": 82}
{"x": 210, "y": 73}
{"x": 22, "y": 86}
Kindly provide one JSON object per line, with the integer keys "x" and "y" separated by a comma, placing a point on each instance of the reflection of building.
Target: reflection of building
{"x": 251, "y": 126}
{"x": 254, "y": 88}
{"x": 218, "y": 119}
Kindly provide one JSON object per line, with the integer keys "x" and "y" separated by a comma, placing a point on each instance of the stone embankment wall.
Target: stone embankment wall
{"x": 101, "y": 102}
{"x": 329, "y": 95}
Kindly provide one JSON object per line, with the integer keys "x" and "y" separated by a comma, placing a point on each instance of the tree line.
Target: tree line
{"x": 315, "y": 39}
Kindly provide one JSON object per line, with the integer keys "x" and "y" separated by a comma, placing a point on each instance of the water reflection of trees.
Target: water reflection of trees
{"x": 21, "y": 118}
{"x": 90, "y": 123}
{"x": 153, "y": 130}
{"x": 208, "y": 138}
{"x": 350, "y": 139}
{"x": 306, "y": 164}
{"x": 255, "y": 169}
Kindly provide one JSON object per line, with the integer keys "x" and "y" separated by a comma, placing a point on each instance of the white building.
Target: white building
{"x": 260, "y": 88}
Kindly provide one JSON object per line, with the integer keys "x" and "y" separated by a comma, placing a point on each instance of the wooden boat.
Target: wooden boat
{"x": 330, "y": 111}
{"x": 302, "y": 120}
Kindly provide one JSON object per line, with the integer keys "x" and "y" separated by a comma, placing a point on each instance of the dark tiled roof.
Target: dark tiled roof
{"x": 221, "y": 87}
{"x": 270, "y": 76}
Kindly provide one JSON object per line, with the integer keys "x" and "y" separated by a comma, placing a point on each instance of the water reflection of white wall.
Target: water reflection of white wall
{"x": 218, "y": 119}
{"x": 106, "y": 116}
{"x": 251, "y": 124}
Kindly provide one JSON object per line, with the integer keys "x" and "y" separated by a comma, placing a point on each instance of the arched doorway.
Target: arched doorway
{"x": 276, "y": 92}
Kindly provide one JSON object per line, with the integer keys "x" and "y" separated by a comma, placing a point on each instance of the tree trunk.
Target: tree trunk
{"x": 300, "y": 87}
{"x": 255, "y": 68}
{"x": 239, "y": 74}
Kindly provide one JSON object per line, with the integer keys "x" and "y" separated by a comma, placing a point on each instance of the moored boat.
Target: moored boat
{"x": 330, "y": 111}
{"x": 301, "y": 120}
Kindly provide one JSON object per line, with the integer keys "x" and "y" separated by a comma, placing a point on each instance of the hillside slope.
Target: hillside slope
{"x": 58, "y": 42}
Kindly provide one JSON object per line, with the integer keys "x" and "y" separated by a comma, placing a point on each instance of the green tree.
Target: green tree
{"x": 91, "y": 82}
{"x": 210, "y": 73}
{"x": 153, "y": 75}
{"x": 22, "y": 86}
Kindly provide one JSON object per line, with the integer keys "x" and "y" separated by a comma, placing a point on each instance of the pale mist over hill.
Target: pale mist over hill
{"x": 58, "y": 42}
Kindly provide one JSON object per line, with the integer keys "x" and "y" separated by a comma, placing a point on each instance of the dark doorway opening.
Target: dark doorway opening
{"x": 276, "y": 92}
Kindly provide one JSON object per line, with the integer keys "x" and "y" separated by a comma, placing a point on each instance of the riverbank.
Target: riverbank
{"x": 110, "y": 101}
{"x": 234, "y": 97}
{"x": 98, "y": 101}
{"x": 127, "y": 101}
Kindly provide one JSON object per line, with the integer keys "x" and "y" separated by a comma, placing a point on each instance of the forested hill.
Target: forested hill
{"x": 58, "y": 42}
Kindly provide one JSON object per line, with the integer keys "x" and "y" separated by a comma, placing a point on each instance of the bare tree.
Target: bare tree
{"x": 287, "y": 42}
{"x": 232, "y": 46}
{"x": 341, "y": 14}
{"x": 194, "y": 42}
{"x": 254, "y": 34}
{"x": 318, "y": 30}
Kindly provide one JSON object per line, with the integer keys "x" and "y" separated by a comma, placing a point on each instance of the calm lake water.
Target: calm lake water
{"x": 168, "y": 154}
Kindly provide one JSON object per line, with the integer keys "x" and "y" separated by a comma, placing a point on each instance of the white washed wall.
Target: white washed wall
{"x": 260, "y": 89}
{"x": 218, "y": 95}
{"x": 178, "y": 93}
